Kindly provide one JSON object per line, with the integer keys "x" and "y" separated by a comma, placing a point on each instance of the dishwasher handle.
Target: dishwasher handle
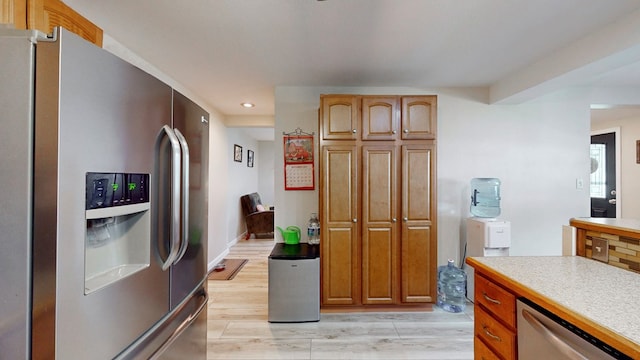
{"x": 562, "y": 346}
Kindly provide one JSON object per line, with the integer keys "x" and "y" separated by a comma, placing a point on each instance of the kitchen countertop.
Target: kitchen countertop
{"x": 631, "y": 225}
{"x": 599, "y": 298}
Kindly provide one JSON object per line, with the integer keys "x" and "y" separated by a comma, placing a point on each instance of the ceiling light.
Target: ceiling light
{"x": 247, "y": 104}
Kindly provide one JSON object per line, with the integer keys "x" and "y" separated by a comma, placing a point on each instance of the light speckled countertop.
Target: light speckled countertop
{"x": 600, "y": 293}
{"x": 632, "y": 225}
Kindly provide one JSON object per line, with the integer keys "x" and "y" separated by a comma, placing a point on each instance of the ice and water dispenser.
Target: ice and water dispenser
{"x": 117, "y": 239}
{"x": 487, "y": 235}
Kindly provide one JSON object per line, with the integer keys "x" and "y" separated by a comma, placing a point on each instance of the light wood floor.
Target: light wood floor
{"x": 238, "y": 326}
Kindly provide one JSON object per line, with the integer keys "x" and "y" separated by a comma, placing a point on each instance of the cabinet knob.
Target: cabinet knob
{"x": 405, "y": 219}
{"x": 406, "y": 131}
{"x": 355, "y": 220}
{"x": 394, "y": 220}
{"x": 354, "y": 131}
{"x": 393, "y": 132}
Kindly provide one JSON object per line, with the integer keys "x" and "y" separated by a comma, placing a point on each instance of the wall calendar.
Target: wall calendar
{"x": 298, "y": 161}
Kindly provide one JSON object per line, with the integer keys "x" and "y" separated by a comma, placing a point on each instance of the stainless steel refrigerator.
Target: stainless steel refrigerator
{"x": 103, "y": 208}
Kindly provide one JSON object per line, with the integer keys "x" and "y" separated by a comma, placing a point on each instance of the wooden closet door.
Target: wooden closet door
{"x": 339, "y": 244}
{"x": 418, "y": 246}
{"x": 379, "y": 224}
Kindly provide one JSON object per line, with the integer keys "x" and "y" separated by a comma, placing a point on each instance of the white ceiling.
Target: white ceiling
{"x": 231, "y": 51}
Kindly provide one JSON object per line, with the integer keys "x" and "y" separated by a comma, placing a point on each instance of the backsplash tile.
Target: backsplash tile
{"x": 624, "y": 252}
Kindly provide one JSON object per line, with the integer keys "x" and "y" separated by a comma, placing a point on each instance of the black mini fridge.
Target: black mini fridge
{"x": 294, "y": 283}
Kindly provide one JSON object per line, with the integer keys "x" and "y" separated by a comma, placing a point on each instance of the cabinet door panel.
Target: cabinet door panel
{"x": 44, "y": 15}
{"x": 14, "y": 12}
{"x": 339, "y": 116}
{"x": 419, "y": 117}
{"x": 340, "y": 259}
{"x": 379, "y": 117}
{"x": 418, "y": 270}
{"x": 379, "y": 207}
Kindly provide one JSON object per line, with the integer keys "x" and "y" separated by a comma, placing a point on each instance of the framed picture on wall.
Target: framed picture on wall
{"x": 237, "y": 153}
{"x": 250, "y": 158}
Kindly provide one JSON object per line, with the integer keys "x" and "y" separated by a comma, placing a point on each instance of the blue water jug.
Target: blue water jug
{"x": 452, "y": 286}
{"x": 485, "y": 197}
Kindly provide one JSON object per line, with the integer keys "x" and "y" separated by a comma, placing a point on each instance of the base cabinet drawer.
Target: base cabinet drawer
{"x": 495, "y": 335}
{"x": 482, "y": 352}
{"x": 498, "y": 301}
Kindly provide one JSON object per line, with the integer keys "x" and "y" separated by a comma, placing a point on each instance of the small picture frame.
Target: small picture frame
{"x": 250, "y": 158}
{"x": 237, "y": 153}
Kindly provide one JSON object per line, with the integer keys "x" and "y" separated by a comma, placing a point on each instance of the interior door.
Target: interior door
{"x": 603, "y": 175}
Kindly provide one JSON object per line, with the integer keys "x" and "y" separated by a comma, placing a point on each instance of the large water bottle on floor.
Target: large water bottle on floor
{"x": 485, "y": 197}
{"x": 452, "y": 284}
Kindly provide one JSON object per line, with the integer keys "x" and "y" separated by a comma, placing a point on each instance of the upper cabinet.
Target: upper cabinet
{"x": 339, "y": 117}
{"x": 14, "y": 12}
{"x": 373, "y": 118}
{"x": 44, "y": 15}
{"x": 419, "y": 117}
{"x": 379, "y": 117}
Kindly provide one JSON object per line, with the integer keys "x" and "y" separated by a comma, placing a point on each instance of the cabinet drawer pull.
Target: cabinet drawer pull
{"x": 497, "y": 302}
{"x": 489, "y": 334}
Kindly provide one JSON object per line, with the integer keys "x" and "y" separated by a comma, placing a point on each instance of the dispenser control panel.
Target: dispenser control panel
{"x": 115, "y": 189}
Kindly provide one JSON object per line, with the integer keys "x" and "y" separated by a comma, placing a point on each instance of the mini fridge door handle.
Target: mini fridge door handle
{"x": 185, "y": 195}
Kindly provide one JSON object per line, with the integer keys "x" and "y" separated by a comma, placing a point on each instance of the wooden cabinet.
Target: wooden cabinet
{"x": 379, "y": 117}
{"x": 339, "y": 117}
{"x": 44, "y": 15}
{"x": 495, "y": 319}
{"x": 344, "y": 117}
{"x": 379, "y": 224}
{"x": 340, "y": 275}
{"x": 419, "y": 117}
{"x": 418, "y": 224}
{"x": 377, "y": 205}
{"x": 14, "y": 12}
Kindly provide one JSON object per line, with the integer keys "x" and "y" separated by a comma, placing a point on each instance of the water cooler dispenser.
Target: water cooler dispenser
{"x": 486, "y": 234}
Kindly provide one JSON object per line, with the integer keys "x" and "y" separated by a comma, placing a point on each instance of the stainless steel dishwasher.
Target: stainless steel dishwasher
{"x": 543, "y": 335}
{"x": 294, "y": 283}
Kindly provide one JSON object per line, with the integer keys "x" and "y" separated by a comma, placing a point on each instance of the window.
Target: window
{"x": 598, "y": 177}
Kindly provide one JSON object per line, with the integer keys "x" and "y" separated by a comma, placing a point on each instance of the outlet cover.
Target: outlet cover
{"x": 600, "y": 249}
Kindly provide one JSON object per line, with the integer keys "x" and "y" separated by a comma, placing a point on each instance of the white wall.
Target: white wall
{"x": 538, "y": 150}
{"x": 629, "y": 193}
{"x": 265, "y": 159}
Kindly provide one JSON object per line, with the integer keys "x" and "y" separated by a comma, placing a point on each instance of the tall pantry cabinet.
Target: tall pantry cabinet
{"x": 377, "y": 199}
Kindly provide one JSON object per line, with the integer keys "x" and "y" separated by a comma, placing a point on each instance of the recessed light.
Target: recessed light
{"x": 247, "y": 104}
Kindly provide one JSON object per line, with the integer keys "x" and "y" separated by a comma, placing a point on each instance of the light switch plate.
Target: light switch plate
{"x": 600, "y": 249}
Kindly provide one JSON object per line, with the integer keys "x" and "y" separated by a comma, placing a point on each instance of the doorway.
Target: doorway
{"x": 603, "y": 179}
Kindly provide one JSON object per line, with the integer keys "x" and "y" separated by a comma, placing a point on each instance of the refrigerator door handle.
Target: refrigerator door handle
{"x": 175, "y": 191}
{"x": 183, "y": 326}
{"x": 185, "y": 195}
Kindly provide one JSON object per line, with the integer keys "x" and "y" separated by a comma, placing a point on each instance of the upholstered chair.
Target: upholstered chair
{"x": 259, "y": 220}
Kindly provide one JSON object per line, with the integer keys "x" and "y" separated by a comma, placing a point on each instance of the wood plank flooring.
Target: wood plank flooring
{"x": 238, "y": 326}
